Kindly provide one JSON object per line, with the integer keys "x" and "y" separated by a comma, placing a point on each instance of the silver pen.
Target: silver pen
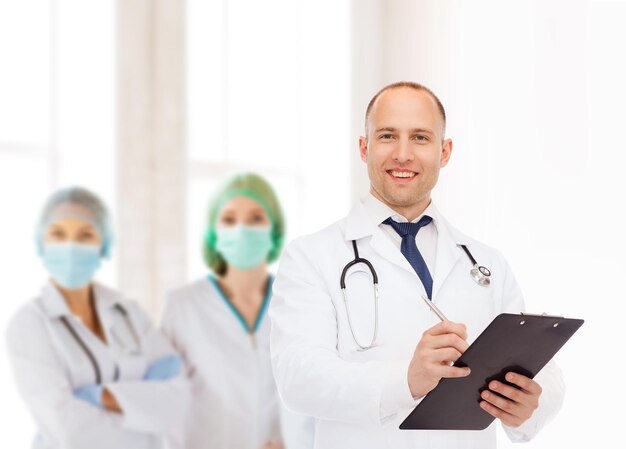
{"x": 434, "y": 308}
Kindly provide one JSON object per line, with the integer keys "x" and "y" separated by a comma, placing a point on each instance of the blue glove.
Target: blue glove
{"x": 164, "y": 368}
{"x": 91, "y": 394}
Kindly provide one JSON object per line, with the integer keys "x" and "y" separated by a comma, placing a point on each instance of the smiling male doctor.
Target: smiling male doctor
{"x": 360, "y": 396}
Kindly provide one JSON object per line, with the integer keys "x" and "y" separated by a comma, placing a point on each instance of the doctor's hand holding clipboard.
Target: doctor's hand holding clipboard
{"x": 352, "y": 344}
{"x": 441, "y": 346}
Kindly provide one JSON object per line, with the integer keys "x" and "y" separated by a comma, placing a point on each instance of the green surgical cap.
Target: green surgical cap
{"x": 256, "y": 188}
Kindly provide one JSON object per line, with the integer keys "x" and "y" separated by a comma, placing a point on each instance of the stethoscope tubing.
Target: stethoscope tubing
{"x": 90, "y": 355}
{"x": 357, "y": 260}
{"x": 342, "y": 283}
{"x": 485, "y": 272}
{"x": 86, "y": 350}
{"x": 480, "y": 274}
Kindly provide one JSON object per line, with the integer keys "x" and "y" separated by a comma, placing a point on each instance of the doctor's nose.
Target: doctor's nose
{"x": 402, "y": 152}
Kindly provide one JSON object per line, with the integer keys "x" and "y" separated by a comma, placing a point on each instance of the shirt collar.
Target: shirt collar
{"x": 52, "y": 302}
{"x": 54, "y": 305}
{"x": 379, "y": 211}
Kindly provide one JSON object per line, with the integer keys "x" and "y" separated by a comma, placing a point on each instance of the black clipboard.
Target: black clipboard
{"x": 520, "y": 343}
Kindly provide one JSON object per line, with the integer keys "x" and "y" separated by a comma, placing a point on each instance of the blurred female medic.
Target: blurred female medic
{"x": 219, "y": 325}
{"x": 92, "y": 369}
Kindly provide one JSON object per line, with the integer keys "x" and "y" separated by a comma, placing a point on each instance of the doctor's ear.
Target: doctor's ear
{"x": 363, "y": 148}
{"x": 446, "y": 152}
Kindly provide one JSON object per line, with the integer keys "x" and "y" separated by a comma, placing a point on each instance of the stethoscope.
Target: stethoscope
{"x": 478, "y": 273}
{"x": 89, "y": 353}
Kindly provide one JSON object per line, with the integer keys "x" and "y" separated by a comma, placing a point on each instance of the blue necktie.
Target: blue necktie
{"x": 408, "y": 231}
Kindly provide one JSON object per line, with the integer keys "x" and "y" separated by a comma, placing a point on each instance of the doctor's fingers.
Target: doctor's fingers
{"x": 439, "y": 371}
{"x": 521, "y": 396}
{"x": 509, "y": 412}
{"x": 525, "y": 383}
{"x": 443, "y": 341}
{"x": 448, "y": 327}
{"x": 442, "y": 356}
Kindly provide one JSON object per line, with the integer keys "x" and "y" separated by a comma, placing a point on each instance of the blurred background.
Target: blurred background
{"x": 152, "y": 104}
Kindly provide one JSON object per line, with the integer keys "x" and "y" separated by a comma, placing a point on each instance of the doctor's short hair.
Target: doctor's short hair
{"x": 411, "y": 85}
{"x": 256, "y": 188}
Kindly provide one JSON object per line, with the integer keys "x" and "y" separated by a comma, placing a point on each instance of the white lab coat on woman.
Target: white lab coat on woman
{"x": 359, "y": 398}
{"x": 49, "y": 364}
{"x": 235, "y": 403}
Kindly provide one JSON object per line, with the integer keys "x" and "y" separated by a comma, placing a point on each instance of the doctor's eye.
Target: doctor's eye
{"x": 420, "y": 138}
{"x": 386, "y": 137}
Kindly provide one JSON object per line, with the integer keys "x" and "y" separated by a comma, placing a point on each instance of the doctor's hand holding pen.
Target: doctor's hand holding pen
{"x": 441, "y": 346}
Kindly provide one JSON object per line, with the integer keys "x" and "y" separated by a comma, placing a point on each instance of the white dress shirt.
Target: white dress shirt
{"x": 426, "y": 238}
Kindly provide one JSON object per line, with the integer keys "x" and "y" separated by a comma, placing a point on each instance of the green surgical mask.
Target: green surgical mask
{"x": 244, "y": 247}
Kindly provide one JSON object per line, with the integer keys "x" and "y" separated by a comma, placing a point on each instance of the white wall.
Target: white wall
{"x": 534, "y": 94}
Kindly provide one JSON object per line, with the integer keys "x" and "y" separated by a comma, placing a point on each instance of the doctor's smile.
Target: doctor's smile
{"x": 402, "y": 175}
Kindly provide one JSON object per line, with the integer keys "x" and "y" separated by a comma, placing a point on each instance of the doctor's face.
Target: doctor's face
{"x": 404, "y": 149}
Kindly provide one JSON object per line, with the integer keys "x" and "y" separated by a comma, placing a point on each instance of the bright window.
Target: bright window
{"x": 56, "y": 129}
{"x": 270, "y": 96}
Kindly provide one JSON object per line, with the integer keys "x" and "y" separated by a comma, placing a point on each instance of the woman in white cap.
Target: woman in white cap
{"x": 90, "y": 366}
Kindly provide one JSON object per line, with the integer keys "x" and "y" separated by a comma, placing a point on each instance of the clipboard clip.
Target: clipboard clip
{"x": 544, "y": 314}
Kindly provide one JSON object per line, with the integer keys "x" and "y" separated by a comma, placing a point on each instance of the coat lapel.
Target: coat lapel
{"x": 360, "y": 224}
{"x": 385, "y": 248}
{"x": 448, "y": 254}
{"x": 114, "y": 326}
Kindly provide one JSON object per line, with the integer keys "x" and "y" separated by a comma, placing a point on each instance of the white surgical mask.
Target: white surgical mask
{"x": 72, "y": 265}
{"x": 244, "y": 247}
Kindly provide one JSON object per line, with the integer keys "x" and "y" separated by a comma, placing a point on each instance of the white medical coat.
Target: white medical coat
{"x": 235, "y": 402}
{"x": 359, "y": 398}
{"x": 49, "y": 365}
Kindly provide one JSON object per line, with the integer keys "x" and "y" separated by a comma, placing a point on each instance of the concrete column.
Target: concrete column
{"x": 151, "y": 157}
{"x": 368, "y": 38}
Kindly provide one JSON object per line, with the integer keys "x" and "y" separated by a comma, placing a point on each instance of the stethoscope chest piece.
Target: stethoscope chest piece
{"x": 479, "y": 273}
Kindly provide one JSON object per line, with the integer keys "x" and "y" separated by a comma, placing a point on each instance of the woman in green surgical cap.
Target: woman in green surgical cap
{"x": 218, "y": 323}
